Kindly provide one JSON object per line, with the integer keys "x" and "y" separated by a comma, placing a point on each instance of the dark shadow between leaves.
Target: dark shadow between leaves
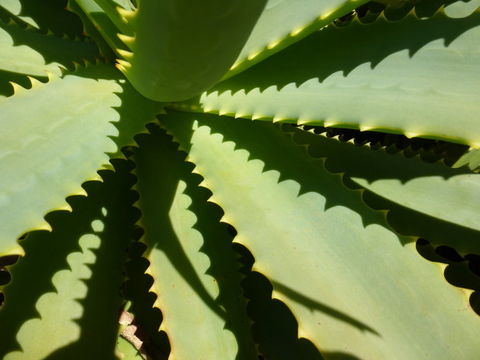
{"x": 6, "y": 89}
{"x": 99, "y": 321}
{"x": 461, "y": 271}
{"x": 439, "y": 150}
{"x": 365, "y": 162}
{"x": 148, "y": 318}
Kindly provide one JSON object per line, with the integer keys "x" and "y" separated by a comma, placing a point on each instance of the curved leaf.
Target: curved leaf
{"x": 178, "y": 50}
{"x": 63, "y": 143}
{"x": 359, "y": 289}
{"x": 29, "y": 52}
{"x": 47, "y": 15}
{"x": 63, "y": 301}
{"x": 419, "y": 77}
{"x": 101, "y": 23}
{"x": 441, "y": 193}
{"x": 284, "y": 22}
{"x": 193, "y": 265}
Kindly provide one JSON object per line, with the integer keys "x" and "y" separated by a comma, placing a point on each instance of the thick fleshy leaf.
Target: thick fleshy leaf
{"x": 178, "y": 49}
{"x": 63, "y": 301}
{"x": 443, "y": 194}
{"x": 471, "y": 159}
{"x": 93, "y": 31}
{"x": 125, "y": 4}
{"x": 113, "y": 9}
{"x": 284, "y": 22}
{"x": 359, "y": 288}
{"x": 102, "y": 24}
{"x": 47, "y": 15}
{"x": 128, "y": 351}
{"x": 27, "y": 51}
{"x": 46, "y": 154}
{"x": 196, "y": 274}
{"x": 419, "y": 77}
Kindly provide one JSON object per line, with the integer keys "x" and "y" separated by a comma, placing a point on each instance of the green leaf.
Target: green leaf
{"x": 63, "y": 301}
{"x": 27, "y": 51}
{"x": 79, "y": 122}
{"x": 193, "y": 265}
{"x": 284, "y": 22}
{"x": 431, "y": 189}
{"x": 127, "y": 350}
{"x": 359, "y": 288}
{"x": 47, "y": 15}
{"x": 125, "y": 4}
{"x": 112, "y": 10}
{"x": 178, "y": 50}
{"x": 419, "y": 77}
{"x": 92, "y": 30}
{"x": 101, "y": 23}
{"x": 470, "y": 159}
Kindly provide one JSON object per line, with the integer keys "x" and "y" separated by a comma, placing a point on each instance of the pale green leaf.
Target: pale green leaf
{"x": 353, "y": 269}
{"x": 127, "y": 350}
{"x": 193, "y": 265}
{"x": 470, "y": 159}
{"x": 432, "y": 189}
{"x": 27, "y": 51}
{"x": 77, "y": 123}
{"x": 419, "y": 77}
{"x": 46, "y": 15}
{"x": 283, "y": 22}
{"x": 63, "y": 301}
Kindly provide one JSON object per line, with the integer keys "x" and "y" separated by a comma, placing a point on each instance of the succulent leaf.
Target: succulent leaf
{"x": 193, "y": 266}
{"x": 30, "y": 52}
{"x": 47, "y": 15}
{"x": 418, "y": 77}
{"x": 177, "y": 50}
{"x": 284, "y": 22}
{"x": 66, "y": 287}
{"x": 76, "y": 137}
{"x": 286, "y": 207}
{"x": 318, "y": 239}
{"x": 431, "y": 189}
{"x": 101, "y": 23}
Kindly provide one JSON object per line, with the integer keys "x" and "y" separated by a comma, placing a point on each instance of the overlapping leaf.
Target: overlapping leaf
{"x": 64, "y": 301}
{"x": 284, "y": 22}
{"x": 29, "y": 52}
{"x": 48, "y": 15}
{"x": 177, "y": 50}
{"x": 432, "y": 189}
{"x": 359, "y": 287}
{"x": 419, "y": 77}
{"x": 192, "y": 263}
{"x": 47, "y": 156}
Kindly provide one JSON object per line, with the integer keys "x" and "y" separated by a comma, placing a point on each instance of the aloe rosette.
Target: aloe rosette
{"x": 235, "y": 179}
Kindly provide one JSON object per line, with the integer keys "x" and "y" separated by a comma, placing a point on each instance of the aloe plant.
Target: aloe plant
{"x": 275, "y": 179}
